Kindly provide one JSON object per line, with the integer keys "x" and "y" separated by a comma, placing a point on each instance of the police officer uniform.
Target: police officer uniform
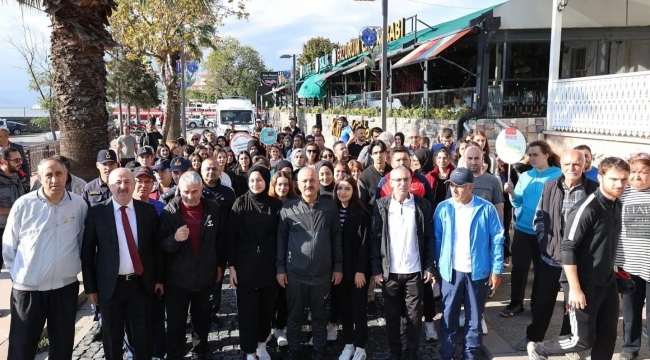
{"x": 156, "y": 194}
{"x": 97, "y": 191}
{"x": 182, "y": 164}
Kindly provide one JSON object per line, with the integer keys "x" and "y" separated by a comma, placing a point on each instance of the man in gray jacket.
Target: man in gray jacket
{"x": 40, "y": 247}
{"x": 12, "y": 185}
{"x": 310, "y": 257}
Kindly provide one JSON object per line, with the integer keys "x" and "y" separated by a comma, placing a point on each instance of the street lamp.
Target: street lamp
{"x": 293, "y": 87}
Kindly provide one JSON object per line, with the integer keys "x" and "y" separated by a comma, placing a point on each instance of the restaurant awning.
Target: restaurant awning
{"x": 431, "y": 49}
{"x": 359, "y": 67}
{"x": 325, "y": 76}
{"x": 312, "y": 88}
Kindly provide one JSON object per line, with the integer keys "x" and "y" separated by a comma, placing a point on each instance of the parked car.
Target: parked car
{"x": 16, "y": 128}
{"x": 192, "y": 122}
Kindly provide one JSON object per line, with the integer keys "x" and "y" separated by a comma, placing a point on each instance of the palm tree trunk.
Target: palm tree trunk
{"x": 172, "y": 125}
{"x": 79, "y": 82}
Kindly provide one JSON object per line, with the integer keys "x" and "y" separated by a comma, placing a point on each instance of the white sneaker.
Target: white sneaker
{"x": 348, "y": 352}
{"x": 262, "y": 354}
{"x": 331, "y": 332}
{"x": 430, "y": 331}
{"x": 281, "y": 337}
{"x": 484, "y": 326}
{"x": 251, "y": 357}
{"x": 311, "y": 341}
{"x": 359, "y": 354}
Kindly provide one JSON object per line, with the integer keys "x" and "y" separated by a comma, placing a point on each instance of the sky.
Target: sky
{"x": 273, "y": 28}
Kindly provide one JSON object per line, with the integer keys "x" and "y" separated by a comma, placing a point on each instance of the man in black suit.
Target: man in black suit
{"x": 122, "y": 265}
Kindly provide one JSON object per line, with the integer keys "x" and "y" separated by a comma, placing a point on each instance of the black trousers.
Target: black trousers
{"x": 157, "y": 329}
{"x": 633, "y": 315}
{"x": 177, "y": 302}
{"x": 507, "y": 221}
{"x": 547, "y": 282}
{"x": 216, "y": 297}
{"x": 297, "y": 293}
{"x": 256, "y": 309}
{"x": 30, "y": 310}
{"x": 524, "y": 249}
{"x": 281, "y": 312}
{"x": 403, "y": 290}
{"x": 335, "y": 304}
{"x": 354, "y": 313}
{"x": 429, "y": 304}
{"x": 131, "y": 305}
{"x": 594, "y": 327}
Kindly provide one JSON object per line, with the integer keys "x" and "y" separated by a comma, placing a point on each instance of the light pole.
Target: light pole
{"x": 293, "y": 87}
{"x": 384, "y": 60}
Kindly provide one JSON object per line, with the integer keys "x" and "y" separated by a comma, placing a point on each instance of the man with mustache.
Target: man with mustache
{"x": 309, "y": 259}
{"x": 588, "y": 261}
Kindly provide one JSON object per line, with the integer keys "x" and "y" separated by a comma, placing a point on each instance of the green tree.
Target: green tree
{"x": 132, "y": 82}
{"x": 315, "y": 48}
{"x": 200, "y": 96}
{"x": 233, "y": 69}
{"x": 163, "y": 30}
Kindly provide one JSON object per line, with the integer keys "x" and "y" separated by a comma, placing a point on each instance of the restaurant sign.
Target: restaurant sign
{"x": 395, "y": 31}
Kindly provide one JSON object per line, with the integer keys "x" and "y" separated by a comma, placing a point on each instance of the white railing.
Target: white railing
{"x": 617, "y": 105}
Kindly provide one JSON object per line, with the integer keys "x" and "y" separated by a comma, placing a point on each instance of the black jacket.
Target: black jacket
{"x": 380, "y": 235}
{"x": 100, "y": 252}
{"x": 355, "y": 236}
{"x": 548, "y": 216}
{"x": 253, "y": 241}
{"x": 309, "y": 241}
{"x": 594, "y": 226}
{"x": 184, "y": 269}
{"x": 368, "y": 182}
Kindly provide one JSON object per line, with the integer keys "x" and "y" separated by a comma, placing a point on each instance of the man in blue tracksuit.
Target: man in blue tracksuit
{"x": 469, "y": 255}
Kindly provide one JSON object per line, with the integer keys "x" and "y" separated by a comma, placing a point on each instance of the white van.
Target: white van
{"x": 238, "y": 111}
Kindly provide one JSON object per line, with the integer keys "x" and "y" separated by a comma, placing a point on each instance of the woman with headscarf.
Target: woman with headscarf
{"x": 287, "y": 144}
{"x": 283, "y": 165}
{"x": 425, "y": 158}
{"x": 231, "y": 160}
{"x": 298, "y": 159}
{"x": 251, "y": 259}
{"x": 254, "y": 145}
{"x": 325, "y": 171}
{"x": 244, "y": 163}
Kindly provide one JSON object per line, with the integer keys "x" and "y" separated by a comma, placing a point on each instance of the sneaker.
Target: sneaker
{"x": 250, "y": 357}
{"x": 261, "y": 353}
{"x": 281, "y": 337}
{"x": 522, "y": 345}
{"x": 461, "y": 320}
{"x": 331, "y": 332}
{"x": 359, "y": 354}
{"x": 532, "y": 353}
{"x": 491, "y": 293}
{"x": 348, "y": 352}
{"x": 484, "y": 327}
{"x": 311, "y": 341}
{"x": 628, "y": 356}
{"x": 576, "y": 356}
{"x": 430, "y": 331}
{"x": 511, "y": 310}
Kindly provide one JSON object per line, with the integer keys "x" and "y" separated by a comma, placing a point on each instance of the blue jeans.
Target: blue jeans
{"x": 462, "y": 290}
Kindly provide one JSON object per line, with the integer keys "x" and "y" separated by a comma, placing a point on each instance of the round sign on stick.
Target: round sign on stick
{"x": 268, "y": 136}
{"x": 511, "y": 145}
{"x": 239, "y": 142}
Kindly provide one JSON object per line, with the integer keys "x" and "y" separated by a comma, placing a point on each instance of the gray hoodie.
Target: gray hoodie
{"x": 11, "y": 188}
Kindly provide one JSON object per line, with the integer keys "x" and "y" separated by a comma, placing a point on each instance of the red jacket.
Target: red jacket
{"x": 419, "y": 186}
{"x": 432, "y": 177}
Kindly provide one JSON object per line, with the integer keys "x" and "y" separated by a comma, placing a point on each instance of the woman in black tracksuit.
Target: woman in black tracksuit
{"x": 254, "y": 225}
{"x": 353, "y": 289}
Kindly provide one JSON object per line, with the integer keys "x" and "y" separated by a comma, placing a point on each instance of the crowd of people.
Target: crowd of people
{"x": 299, "y": 225}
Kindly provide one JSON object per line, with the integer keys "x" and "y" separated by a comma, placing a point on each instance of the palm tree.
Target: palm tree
{"x": 78, "y": 40}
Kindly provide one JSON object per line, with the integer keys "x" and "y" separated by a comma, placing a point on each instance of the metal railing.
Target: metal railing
{"x": 37, "y": 153}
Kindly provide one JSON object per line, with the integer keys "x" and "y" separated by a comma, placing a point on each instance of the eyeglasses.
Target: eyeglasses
{"x": 17, "y": 161}
{"x": 327, "y": 156}
{"x": 312, "y": 151}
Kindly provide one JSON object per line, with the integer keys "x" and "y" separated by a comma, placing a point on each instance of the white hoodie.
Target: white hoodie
{"x": 42, "y": 242}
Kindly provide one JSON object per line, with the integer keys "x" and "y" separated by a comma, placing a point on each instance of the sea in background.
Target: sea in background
{"x": 12, "y": 112}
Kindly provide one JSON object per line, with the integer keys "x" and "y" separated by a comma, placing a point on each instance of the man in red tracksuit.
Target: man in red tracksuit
{"x": 419, "y": 184}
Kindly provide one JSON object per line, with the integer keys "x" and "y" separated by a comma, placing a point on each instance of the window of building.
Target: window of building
{"x": 579, "y": 62}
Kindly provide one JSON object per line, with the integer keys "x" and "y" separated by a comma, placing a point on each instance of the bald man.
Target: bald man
{"x": 558, "y": 197}
{"x": 309, "y": 259}
{"x": 486, "y": 186}
{"x": 122, "y": 265}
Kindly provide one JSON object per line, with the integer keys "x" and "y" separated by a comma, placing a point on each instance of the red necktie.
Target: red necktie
{"x": 130, "y": 242}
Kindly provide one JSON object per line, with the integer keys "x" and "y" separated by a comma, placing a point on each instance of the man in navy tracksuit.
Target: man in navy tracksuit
{"x": 588, "y": 259}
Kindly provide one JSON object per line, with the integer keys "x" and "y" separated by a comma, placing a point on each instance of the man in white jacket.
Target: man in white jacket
{"x": 40, "y": 247}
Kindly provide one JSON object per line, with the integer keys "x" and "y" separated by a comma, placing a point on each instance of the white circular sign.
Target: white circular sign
{"x": 239, "y": 142}
{"x": 511, "y": 145}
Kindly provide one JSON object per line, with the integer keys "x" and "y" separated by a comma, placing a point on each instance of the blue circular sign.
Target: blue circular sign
{"x": 192, "y": 67}
{"x": 268, "y": 136}
{"x": 369, "y": 37}
{"x": 286, "y": 74}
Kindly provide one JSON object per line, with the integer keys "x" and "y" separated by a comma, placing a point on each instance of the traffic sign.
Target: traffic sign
{"x": 268, "y": 136}
{"x": 192, "y": 67}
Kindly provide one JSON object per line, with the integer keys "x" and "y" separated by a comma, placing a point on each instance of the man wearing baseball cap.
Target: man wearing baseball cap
{"x": 469, "y": 256}
{"x": 164, "y": 180}
{"x": 178, "y": 166}
{"x": 146, "y": 156}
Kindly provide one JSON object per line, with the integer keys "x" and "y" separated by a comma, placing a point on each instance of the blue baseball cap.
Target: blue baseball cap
{"x": 105, "y": 156}
{"x": 461, "y": 176}
{"x": 180, "y": 164}
{"x": 161, "y": 164}
{"x": 145, "y": 150}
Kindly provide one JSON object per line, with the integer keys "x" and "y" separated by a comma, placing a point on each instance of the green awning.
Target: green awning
{"x": 312, "y": 89}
